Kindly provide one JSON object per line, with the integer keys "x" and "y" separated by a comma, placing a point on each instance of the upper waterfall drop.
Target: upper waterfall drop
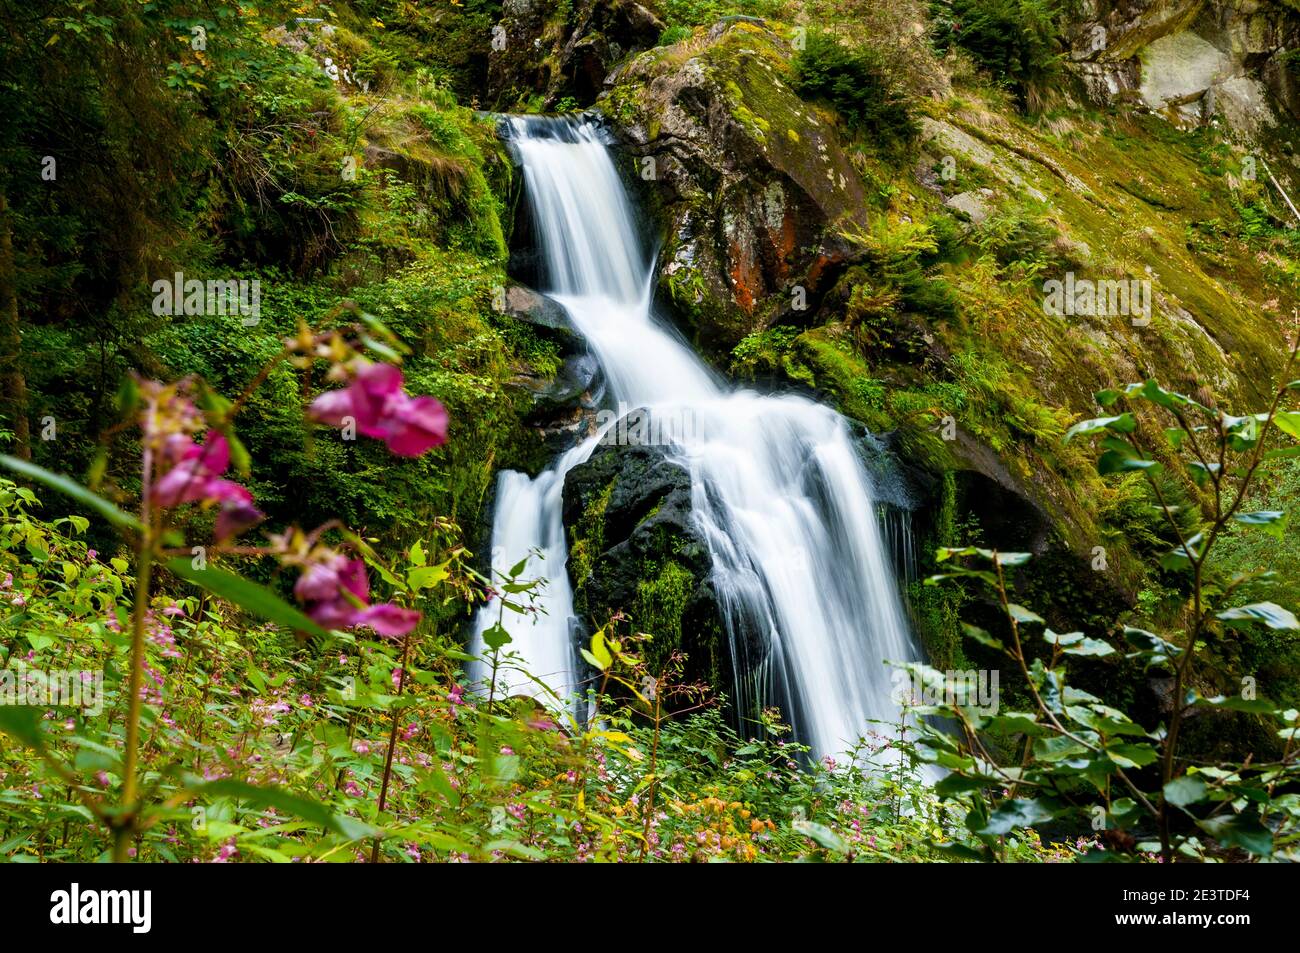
{"x": 779, "y": 491}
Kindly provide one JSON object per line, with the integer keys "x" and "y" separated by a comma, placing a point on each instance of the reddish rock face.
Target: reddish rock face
{"x": 750, "y": 186}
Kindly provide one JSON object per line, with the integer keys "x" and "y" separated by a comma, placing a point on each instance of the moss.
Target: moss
{"x": 661, "y": 600}
{"x": 936, "y": 610}
{"x": 587, "y": 538}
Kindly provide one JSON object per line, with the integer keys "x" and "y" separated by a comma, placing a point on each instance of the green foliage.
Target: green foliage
{"x": 1015, "y": 41}
{"x": 858, "y": 83}
{"x": 1081, "y": 758}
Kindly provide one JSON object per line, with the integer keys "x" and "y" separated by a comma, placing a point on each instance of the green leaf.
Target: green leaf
{"x": 1288, "y": 421}
{"x": 23, "y": 722}
{"x": 1240, "y": 830}
{"x": 1106, "y": 397}
{"x": 822, "y": 834}
{"x": 1131, "y": 755}
{"x": 1186, "y": 790}
{"x": 426, "y": 577}
{"x": 1115, "y": 461}
{"x": 1023, "y": 615}
{"x": 496, "y": 637}
{"x": 1271, "y": 614}
{"x": 73, "y": 489}
{"x": 982, "y": 637}
{"x": 1273, "y": 521}
{"x": 1149, "y": 646}
{"x": 311, "y": 811}
{"x": 1016, "y": 813}
{"x": 246, "y": 594}
{"x": 1076, "y": 643}
{"x": 1123, "y": 423}
{"x": 1257, "y": 706}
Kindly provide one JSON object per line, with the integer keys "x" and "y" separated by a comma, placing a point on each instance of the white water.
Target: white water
{"x": 779, "y": 491}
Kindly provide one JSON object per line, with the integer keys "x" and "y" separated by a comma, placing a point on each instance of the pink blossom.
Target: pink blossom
{"x": 375, "y": 402}
{"x": 195, "y": 476}
{"x": 335, "y": 591}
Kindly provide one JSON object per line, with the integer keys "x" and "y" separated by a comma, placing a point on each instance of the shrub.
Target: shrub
{"x": 1015, "y": 41}
{"x": 857, "y": 82}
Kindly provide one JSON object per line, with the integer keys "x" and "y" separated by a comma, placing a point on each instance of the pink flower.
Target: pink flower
{"x": 336, "y": 591}
{"x": 375, "y": 402}
{"x": 92, "y": 553}
{"x": 196, "y": 476}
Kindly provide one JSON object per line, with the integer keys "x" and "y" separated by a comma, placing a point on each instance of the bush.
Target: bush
{"x": 1015, "y": 41}
{"x": 857, "y": 82}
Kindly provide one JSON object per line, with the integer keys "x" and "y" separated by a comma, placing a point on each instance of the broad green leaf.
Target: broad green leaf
{"x": 1258, "y": 706}
{"x": 1270, "y": 614}
{"x": 982, "y": 637}
{"x": 1240, "y": 830}
{"x": 1288, "y": 421}
{"x": 426, "y": 577}
{"x": 1186, "y": 790}
{"x": 281, "y": 800}
{"x": 23, "y": 722}
{"x": 1123, "y": 423}
{"x": 1132, "y": 756}
{"x": 822, "y": 834}
{"x": 495, "y": 637}
{"x": 1016, "y": 813}
{"x": 1023, "y": 615}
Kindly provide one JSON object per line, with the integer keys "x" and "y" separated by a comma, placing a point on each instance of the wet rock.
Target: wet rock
{"x": 634, "y": 549}
{"x": 553, "y": 51}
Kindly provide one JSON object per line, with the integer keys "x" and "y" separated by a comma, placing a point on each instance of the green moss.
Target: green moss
{"x": 587, "y": 538}
{"x": 661, "y": 599}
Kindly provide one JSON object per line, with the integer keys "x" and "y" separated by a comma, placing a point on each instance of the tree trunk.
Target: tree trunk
{"x": 13, "y": 386}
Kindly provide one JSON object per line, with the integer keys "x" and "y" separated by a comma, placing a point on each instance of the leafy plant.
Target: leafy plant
{"x": 1079, "y": 757}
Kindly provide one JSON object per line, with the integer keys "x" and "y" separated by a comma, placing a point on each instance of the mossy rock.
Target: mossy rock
{"x": 634, "y": 550}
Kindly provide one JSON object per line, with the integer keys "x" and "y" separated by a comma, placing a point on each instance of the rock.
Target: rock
{"x": 537, "y": 309}
{"x": 634, "y": 548}
{"x": 1178, "y": 70}
{"x": 749, "y": 185}
{"x": 1192, "y": 60}
{"x": 1242, "y": 103}
{"x": 558, "y": 50}
{"x": 974, "y": 205}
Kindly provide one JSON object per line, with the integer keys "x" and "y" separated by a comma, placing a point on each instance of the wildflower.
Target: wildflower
{"x": 375, "y": 402}
{"x": 335, "y": 590}
{"x": 92, "y": 553}
{"x": 195, "y": 476}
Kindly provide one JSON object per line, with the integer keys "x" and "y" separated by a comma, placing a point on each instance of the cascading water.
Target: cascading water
{"x": 780, "y": 494}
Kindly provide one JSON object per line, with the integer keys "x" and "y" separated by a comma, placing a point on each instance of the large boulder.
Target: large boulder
{"x": 634, "y": 549}
{"x": 750, "y": 186}
{"x": 1194, "y": 61}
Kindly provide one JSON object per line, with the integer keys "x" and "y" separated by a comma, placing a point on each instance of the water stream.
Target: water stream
{"x": 779, "y": 491}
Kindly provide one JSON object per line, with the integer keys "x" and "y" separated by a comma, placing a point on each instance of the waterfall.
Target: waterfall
{"x": 779, "y": 490}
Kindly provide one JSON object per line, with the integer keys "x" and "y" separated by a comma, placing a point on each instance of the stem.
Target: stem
{"x": 126, "y": 824}
{"x": 392, "y": 741}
